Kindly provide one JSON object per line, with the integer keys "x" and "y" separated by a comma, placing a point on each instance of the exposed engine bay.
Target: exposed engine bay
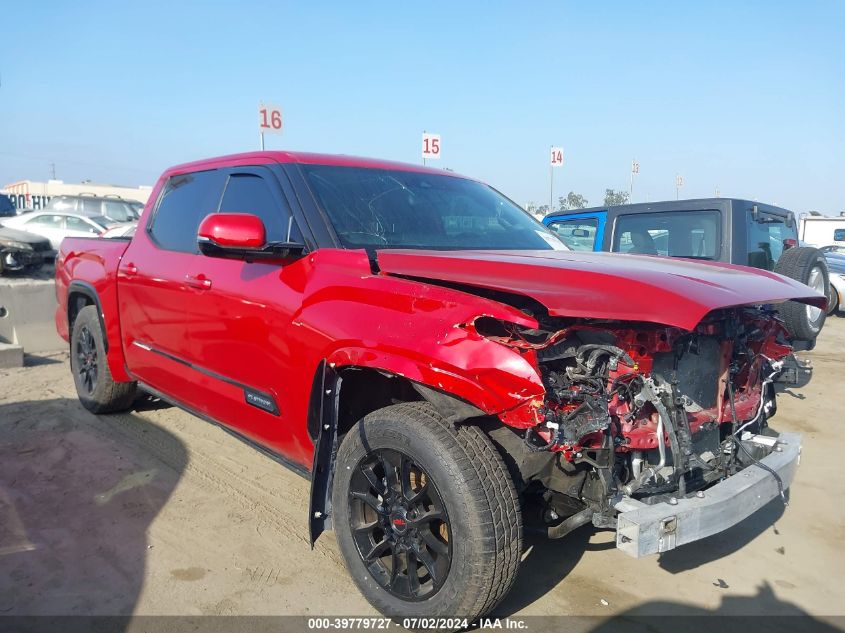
{"x": 642, "y": 411}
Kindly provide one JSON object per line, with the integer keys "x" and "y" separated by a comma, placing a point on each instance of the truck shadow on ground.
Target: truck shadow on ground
{"x": 763, "y": 612}
{"x": 77, "y": 496}
{"x": 35, "y": 360}
{"x": 547, "y": 562}
{"x": 148, "y": 402}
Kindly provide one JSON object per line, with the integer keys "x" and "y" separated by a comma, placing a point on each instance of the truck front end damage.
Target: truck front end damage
{"x": 658, "y": 432}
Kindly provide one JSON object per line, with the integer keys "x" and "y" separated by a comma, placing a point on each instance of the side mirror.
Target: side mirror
{"x": 241, "y": 236}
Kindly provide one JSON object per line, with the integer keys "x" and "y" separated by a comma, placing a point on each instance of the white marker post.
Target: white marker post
{"x": 430, "y": 146}
{"x": 679, "y": 182}
{"x": 555, "y": 160}
{"x": 269, "y": 120}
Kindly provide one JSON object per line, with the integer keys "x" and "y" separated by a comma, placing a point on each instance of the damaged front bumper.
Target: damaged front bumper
{"x": 16, "y": 259}
{"x": 650, "y": 529}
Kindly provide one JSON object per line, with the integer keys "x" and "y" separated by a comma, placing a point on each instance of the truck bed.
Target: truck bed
{"x": 91, "y": 263}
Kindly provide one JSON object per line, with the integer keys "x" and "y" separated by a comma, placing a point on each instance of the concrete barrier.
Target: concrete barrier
{"x": 10, "y": 356}
{"x": 27, "y": 310}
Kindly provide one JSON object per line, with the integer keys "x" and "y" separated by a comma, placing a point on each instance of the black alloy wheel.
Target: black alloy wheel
{"x": 426, "y": 514}
{"x": 400, "y": 525}
{"x": 97, "y": 390}
{"x": 87, "y": 360}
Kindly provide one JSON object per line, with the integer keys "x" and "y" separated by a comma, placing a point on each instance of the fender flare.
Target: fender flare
{"x": 87, "y": 290}
{"x": 323, "y": 413}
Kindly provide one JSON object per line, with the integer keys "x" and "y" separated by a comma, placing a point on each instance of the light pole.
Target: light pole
{"x": 551, "y": 179}
{"x": 555, "y": 160}
{"x": 635, "y": 169}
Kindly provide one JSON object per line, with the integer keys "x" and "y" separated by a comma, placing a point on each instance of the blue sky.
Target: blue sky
{"x": 746, "y": 96}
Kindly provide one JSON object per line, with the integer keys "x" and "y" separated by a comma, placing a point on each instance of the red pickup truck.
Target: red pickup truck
{"x": 435, "y": 360}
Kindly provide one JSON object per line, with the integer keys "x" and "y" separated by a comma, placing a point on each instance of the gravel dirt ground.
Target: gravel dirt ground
{"x": 156, "y": 512}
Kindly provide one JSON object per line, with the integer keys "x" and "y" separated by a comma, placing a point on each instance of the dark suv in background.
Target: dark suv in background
{"x": 712, "y": 229}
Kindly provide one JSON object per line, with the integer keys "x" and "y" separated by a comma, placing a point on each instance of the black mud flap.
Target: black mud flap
{"x": 325, "y": 404}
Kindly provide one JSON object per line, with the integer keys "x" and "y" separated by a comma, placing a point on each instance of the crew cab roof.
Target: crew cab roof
{"x": 302, "y": 158}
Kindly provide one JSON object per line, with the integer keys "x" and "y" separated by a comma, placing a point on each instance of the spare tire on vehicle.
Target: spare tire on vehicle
{"x": 807, "y": 265}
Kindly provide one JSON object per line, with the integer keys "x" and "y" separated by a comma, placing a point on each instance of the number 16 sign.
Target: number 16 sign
{"x": 269, "y": 119}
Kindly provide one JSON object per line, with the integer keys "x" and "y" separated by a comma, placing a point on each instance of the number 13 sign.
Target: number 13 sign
{"x": 269, "y": 119}
{"x": 556, "y": 157}
{"x": 430, "y": 145}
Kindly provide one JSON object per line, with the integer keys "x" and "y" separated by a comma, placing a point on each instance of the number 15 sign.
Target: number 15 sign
{"x": 430, "y": 145}
{"x": 269, "y": 119}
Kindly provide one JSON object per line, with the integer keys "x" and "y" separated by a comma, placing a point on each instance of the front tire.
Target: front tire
{"x": 97, "y": 390}
{"x": 426, "y": 515}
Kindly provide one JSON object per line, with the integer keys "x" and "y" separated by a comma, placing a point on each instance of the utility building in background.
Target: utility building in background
{"x": 28, "y": 194}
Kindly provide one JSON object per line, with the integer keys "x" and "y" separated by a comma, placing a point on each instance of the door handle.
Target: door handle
{"x": 200, "y": 282}
{"x": 129, "y": 270}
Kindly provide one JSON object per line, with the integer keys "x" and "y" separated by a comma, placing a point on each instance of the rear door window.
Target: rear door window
{"x": 78, "y": 224}
{"x": 92, "y": 206}
{"x": 62, "y": 204}
{"x": 118, "y": 211}
{"x": 691, "y": 234}
{"x": 766, "y": 237}
{"x": 47, "y": 221}
{"x": 187, "y": 199}
{"x": 579, "y": 234}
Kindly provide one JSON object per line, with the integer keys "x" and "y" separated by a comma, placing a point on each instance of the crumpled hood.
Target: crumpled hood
{"x": 663, "y": 290}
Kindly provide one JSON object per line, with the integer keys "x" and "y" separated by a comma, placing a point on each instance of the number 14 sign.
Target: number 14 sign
{"x": 430, "y": 145}
{"x": 556, "y": 157}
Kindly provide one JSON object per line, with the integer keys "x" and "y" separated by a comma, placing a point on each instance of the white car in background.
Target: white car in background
{"x": 57, "y": 225}
{"x": 836, "y": 270}
{"x": 122, "y": 231}
{"x": 837, "y": 293}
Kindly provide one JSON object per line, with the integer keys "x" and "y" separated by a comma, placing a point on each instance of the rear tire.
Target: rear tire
{"x": 476, "y": 547}
{"x": 97, "y": 390}
{"x": 808, "y": 266}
